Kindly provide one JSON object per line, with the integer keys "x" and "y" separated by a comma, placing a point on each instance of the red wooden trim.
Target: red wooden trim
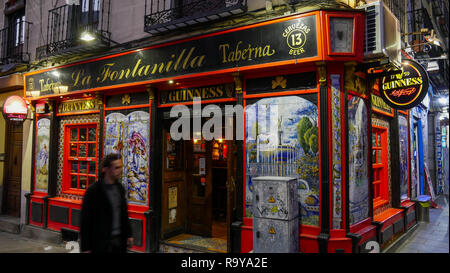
{"x": 279, "y": 94}
{"x": 409, "y": 154}
{"x": 337, "y": 233}
{"x": 139, "y": 216}
{"x": 360, "y": 225}
{"x": 388, "y": 216}
{"x": 203, "y": 102}
{"x": 63, "y": 202}
{"x": 382, "y": 112}
{"x": 66, "y": 183}
{"x": 383, "y": 193}
{"x": 36, "y": 199}
{"x": 304, "y": 68}
{"x": 78, "y": 113}
{"x": 353, "y": 93}
{"x": 121, "y": 91}
{"x": 127, "y": 107}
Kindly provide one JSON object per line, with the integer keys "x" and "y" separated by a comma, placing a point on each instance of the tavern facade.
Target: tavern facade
{"x": 308, "y": 64}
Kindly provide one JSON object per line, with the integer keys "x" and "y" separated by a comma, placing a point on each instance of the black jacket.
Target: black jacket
{"x": 96, "y": 219}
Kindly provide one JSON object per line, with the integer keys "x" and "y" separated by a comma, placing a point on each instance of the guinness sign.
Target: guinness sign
{"x": 379, "y": 105}
{"x": 79, "y": 106}
{"x": 211, "y": 92}
{"x": 407, "y": 88}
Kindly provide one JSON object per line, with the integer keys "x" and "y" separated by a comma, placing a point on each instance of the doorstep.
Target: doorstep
{"x": 10, "y": 224}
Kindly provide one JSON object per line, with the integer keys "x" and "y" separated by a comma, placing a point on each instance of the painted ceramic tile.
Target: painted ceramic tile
{"x": 42, "y": 152}
{"x": 128, "y": 135}
{"x": 282, "y": 140}
{"x": 336, "y": 150}
{"x": 358, "y": 160}
{"x": 403, "y": 132}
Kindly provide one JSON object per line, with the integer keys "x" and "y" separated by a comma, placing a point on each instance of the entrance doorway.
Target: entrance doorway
{"x": 417, "y": 164}
{"x": 13, "y": 170}
{"x": 198, "y": 192}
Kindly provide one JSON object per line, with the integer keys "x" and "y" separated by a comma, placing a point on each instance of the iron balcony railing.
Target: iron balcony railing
{"x": 67, "y": 23}
{"x": 14, "y": 43}
{"x": 165, "y": 15}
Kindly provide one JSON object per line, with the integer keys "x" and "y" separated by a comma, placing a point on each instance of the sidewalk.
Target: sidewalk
{"x": 429, "y": 237}
{"x": 15, "y": 243}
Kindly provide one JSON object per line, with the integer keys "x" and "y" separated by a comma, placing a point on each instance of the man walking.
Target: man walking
{"x": 105, "y": 226}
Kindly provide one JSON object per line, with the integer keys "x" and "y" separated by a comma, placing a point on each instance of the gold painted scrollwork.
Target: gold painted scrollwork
{"x": 322, "y": 70}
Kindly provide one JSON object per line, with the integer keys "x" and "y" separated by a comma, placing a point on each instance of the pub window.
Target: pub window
{"x": 80, "y": 156}
{"x": 380, "y": 166}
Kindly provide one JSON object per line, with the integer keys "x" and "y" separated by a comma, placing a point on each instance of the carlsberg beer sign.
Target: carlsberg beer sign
{"x": 407, "y": 88}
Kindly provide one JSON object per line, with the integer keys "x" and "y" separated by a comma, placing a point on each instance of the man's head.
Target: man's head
{"x": 112, "y": 167}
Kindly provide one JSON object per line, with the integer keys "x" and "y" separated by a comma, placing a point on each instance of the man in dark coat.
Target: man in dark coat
{"x": 105, "y": 226}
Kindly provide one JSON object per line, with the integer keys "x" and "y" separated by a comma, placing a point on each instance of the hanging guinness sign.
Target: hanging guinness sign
{"x": 407, "y": 88}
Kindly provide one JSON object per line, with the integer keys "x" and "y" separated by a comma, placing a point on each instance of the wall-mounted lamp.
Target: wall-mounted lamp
{"x": 87, "y": 36}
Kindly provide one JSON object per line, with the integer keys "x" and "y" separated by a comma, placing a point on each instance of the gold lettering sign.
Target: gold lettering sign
{"x": 77, "y": 106}
{"x": 221, "y": 91}
{"x": 379, "y": 104}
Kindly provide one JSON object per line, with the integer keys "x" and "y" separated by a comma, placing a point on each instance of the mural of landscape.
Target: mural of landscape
{"x": 282, "y": 139}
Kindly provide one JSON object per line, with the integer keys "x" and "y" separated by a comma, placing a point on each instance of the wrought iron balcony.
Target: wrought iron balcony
{"x": 14, "y": 43}
{"x": 165, "y": 15}
{"x": 67, "y": 23}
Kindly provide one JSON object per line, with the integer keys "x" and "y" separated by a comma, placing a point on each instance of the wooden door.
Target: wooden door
{"x": 199, "y": 175}
{"x": 231, "y": 188}
{"x": 173, "y": 176}
{"x": 13, "y": 170}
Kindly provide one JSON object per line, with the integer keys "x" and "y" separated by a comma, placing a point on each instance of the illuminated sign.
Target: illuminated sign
{"x": 79, "y": 106}
{"x": 219, "y": 91}
{"x": 274, "y": 41}
{"x": 378, "y": 104}
{"x": 407, "y": 88}
{"x": 15, "y": 109}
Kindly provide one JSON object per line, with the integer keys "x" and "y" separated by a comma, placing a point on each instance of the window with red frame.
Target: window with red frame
{"x": 81, "y": 159}
{"x": 380, "y": 167}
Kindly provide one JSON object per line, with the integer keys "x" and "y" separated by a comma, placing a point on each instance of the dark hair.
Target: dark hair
{"x": 106, "y": 161}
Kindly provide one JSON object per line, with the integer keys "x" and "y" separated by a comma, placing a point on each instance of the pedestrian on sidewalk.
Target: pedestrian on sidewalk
{"x": 105, "y": 226}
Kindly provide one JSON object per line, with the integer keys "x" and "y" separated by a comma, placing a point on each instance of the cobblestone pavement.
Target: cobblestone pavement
{"x": 430, "y": 237}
